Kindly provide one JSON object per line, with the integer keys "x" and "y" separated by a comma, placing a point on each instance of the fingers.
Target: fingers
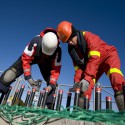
{"x": 39, "y": 80}
{"x": 76, "y": 85}
{"x": 83, "y": 85}
{"x": 71, "y": 90}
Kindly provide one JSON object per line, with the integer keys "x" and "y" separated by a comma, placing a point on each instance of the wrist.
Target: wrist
{"x": 28, "y": 77}
{"x": 53, "y": 86}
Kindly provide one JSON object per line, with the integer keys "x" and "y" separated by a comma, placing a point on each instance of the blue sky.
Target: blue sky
{"x": 21, "y": 20}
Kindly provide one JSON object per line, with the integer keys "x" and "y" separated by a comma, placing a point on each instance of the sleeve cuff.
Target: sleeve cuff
{"x": 88, "y": 78}
{"x": 27, "y": 77}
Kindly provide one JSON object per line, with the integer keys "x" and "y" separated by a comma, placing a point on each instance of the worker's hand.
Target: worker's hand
{"x": 50, "y": 87}
{"x": 32, "y": 82}
{"x": 76, "y": 85}
{"x": 36, "y": 84}
{"x": 84, "y": 85}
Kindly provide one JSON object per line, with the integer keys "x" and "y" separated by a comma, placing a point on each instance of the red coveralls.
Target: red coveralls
{"x": 101, "y": 58}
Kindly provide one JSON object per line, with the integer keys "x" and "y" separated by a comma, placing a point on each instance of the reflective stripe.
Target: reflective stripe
{"x": 94, "y": 53}
{"x": 57, "y": 63}
{"x": 94, "y": 80}
{"x": 26, "y": 70}
{"x": 114, "y": 70}
{"x": 76, "y": 67}
{"x": 53, "y": 79}
{"x": 30, "y": 52}
{"x": 83, "y": 33}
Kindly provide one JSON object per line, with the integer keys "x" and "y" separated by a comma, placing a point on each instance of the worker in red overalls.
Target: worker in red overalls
{"x": 92, "y": 57}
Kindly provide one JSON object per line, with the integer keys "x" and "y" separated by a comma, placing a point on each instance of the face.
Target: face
{"x": 73, "y": 41}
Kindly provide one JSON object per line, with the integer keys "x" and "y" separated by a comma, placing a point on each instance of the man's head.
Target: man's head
{"x": 66, "y": 31}
{"x": 49, "y": 43}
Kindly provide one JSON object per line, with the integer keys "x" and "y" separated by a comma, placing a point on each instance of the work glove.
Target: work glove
{"x": 84, "y": 85}
{"x": 76, "y": 85}
{"x": 36, "y": 84}
{"x": 50, "y": 87}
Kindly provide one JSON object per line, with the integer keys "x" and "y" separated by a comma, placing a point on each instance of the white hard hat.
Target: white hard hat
{"x": 49, "y": 43}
